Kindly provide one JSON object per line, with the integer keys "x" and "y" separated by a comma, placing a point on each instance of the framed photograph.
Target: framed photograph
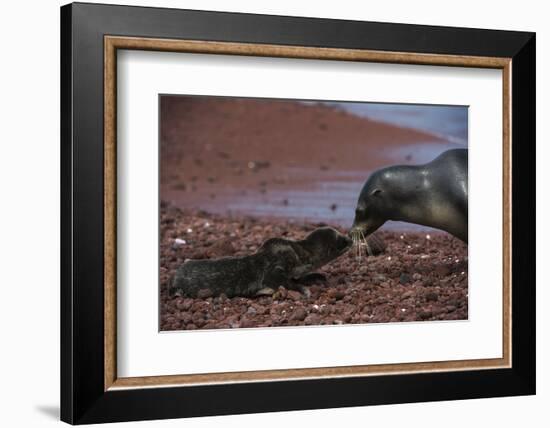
{"x": 266, "y": 213}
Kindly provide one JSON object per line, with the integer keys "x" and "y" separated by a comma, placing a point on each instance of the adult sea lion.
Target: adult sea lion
{"x": 277, "y": 262}
{"x": 434, "y": 194}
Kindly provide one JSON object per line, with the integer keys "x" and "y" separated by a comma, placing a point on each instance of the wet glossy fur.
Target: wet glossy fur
{"x": 434, "y": 194}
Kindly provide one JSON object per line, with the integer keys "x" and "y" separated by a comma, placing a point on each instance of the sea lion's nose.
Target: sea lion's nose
{"x": 353, "y": 230}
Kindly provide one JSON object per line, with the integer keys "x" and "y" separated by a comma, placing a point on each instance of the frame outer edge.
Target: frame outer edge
{"x": 87, "y": 211}
{"x": 524, "y": 215}
{"x": 297, "y": 31}
{"x": 82, "y": 401}
{"x": 66, "y": 152}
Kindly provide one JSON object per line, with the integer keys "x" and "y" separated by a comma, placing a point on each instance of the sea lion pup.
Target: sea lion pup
{"x": 434, "y": 194}
{"x": 277, "y": 262}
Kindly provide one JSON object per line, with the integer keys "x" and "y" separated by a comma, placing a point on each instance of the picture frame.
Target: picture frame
{"x": 91, "y": 391}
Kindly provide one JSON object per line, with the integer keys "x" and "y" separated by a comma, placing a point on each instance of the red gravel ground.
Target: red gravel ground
{"x": 416, "y": 279}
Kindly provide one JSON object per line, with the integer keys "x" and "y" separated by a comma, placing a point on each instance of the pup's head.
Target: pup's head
{"x": 282, "y": 249}
{"x": 327, "y": 243}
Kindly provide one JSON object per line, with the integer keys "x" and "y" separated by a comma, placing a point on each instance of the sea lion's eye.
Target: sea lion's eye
{"x": 376, "y": 192}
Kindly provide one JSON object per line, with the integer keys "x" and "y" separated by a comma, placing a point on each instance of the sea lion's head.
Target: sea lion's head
{"x": 372, "y": 205}
{"x": 326, "y": 244}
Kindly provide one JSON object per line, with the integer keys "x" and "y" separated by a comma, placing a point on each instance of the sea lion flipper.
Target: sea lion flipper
{"x": 294, "y": 285}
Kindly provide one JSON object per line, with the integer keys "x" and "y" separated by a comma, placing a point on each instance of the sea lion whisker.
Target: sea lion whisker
{"x": 369, "y": 250}
{"x": 356, "y": 238}
{"x": 356, "y": 245}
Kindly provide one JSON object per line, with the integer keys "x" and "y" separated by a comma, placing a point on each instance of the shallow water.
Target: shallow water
{"x": 450, "y": 122}
{"x": 330, "y": 201}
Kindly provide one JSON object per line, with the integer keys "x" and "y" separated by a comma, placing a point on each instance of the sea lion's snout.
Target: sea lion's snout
{"x": 361, "y": 225}
{"x": 358, "y": 229}
{"x": 363, "y": 228}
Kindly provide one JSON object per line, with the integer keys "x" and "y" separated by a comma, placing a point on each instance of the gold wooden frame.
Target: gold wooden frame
{"x": 113, "y": 43}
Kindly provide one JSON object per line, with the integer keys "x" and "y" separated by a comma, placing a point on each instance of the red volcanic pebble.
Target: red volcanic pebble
{"x": 416, "y": 278}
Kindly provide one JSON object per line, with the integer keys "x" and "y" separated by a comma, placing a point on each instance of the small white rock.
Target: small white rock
{"x": 189, "y": 230}
{"x": 179, "y": 241}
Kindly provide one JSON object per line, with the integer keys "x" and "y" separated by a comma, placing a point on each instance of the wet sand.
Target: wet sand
{"x": 415, "y": 279}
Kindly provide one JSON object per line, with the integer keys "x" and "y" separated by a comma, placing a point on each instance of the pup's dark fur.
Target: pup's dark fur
{"x": 277, "y": 262}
